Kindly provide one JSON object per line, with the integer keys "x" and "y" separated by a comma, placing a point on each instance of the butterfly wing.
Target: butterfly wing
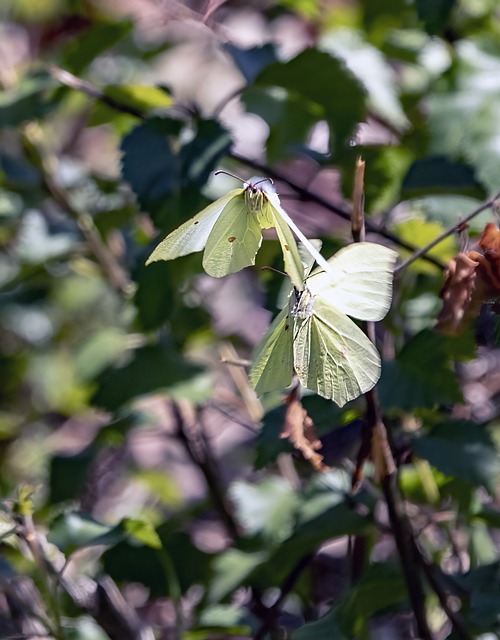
{"x": 361, "y": 285}
{"x": 193, "y": 234}
{"x": 291, "y": 256}
{"x": 234, "y": 239}
{"x": 332, "y": 356}
{"x": 273, "y": 358}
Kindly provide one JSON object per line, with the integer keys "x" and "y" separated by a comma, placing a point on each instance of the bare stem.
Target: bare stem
{"x": 490, "y": 202}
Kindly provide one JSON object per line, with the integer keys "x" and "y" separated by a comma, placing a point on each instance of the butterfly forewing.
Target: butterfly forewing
{"x": 273, "y": 358}
{"x": 234, "y": 240}
{"x": 332, "y": 356}
{"x": 362, "y": 282}
{"x": 193, "y": 234}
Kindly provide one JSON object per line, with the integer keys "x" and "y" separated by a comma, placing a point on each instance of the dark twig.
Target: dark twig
{"x": 490, "y": 202}
{"x": 72, "y": 81}
{"x": 345, "y": 214}
{"x": 385, "y": 467}
{"x": 287, "y": 586}
{"x": 198, "y": 449}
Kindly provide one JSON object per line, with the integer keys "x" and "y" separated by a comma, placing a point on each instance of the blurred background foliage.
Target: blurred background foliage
{"x": 146, "y": 491}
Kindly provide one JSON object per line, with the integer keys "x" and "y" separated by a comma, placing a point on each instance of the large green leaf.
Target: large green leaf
{"x": 368, "y": 64}
{"x": 29, "y": 100}
{"x": 327, "y": 89}
{"x": 435, "y": 14}
{"x": 326, "y": 628}
{"x": 422, "y": 374}
{"x": 463, "y": 115}
{"x": 463, "y": 450}
{"x": 166, "y": 176}
{"x": 440, "y": 175}
{"x": 82, "y": 51}
{"x": 149, "y": 370}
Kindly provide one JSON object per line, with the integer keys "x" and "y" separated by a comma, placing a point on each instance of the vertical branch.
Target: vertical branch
{"x": 375, "y": 441}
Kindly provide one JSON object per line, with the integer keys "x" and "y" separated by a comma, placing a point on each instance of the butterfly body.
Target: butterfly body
{"x": 313, "y": 337}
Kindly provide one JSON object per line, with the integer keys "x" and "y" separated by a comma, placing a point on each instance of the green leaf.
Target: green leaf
{"x": 422, "y": 374}
{"x": 290, "y": 118}
{"x": 168, "y": 184}
{"x": 149, "y": 370}
{"x": 100, "y": 350}
{"x": 142, "y": 532}
{"x": 76, "y": 529}
{"x": 463, "y": 450}
{"x": 232, "y": 569}
{"x": 100, "y": 37}
{"x": 340, "y": 100}
{"x": 435, "y": 14}
{"x": 367, "y": 63}
{"x": 29, "y": 100}
{"x": 251, "y": 61}
{"x": 129, "y": 562}
{"x": 269, "y": 443}
{"x": 440, "y": 175}
{"x": 266, "y": 508}
{"x": 326, "y": 628}
{"x": 463, "y": 120}
{"x": 420, "y": 233}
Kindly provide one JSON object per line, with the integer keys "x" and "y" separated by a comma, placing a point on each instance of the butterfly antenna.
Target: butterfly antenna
{"x": 263, "y": 180}
{"x": 231, "y": 175}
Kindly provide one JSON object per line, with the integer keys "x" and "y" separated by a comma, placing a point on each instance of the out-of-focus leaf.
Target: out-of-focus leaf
{"x": 150, "y": 370}
{"x": 153, "y": 180}
{"x": 269, "y": 444}
{"x": 82, "y": 51}
{"x": 368, "y": 64}
{"x": 326, "y": 628}
{"x": 75, "y": 467}
{"x": 449, "y": 210}
{"x": 290, "y": 118}
{"x": 231, "y": 569}
{"x": 340, "y": 101}
{"x": 141, "y": 98}
{"x": 483, "y": 586}
{"x": 435, "y": 14}
{"x": 422, "y": 376}
{"x": 142, "y": 532}
{"x": 171, "y": 174}
{"x": 17, "y": 173}
{"x": 28, "y": 101}
{"x": 266, "y": 508}
{"x": 76, "y": 529}
{"x": 463, "y": 118}
{"x": 382, "y": 585}
{"x": 440, "y": 175}
{"x": 463, "y": 450}
{"x": 420, "y": 232}
{"x": 99, "y": 351}
{"x": 251, "y": 61}
{"x": 129, "y": 562}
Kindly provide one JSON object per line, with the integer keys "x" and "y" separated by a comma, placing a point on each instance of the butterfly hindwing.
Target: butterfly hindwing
{"x": 333, "y": 357}
{"x": 273, "y": 358}
{"x": 193, "y": 234}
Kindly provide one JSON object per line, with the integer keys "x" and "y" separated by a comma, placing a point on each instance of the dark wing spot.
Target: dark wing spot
{"x": 287, "y": 248}
{"x": 231, "y": 238}
{"x": 287, "y": 326}
{"x": 196, "y": 222}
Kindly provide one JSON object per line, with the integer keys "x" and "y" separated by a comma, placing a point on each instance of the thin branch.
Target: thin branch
{"x": 198, "y": 449}
{"x": 109, "y": 264}
{"x": 305, "y": 194}
{"x": 287, "y": 586}
{"x": 385, "y": 467}
{"x": 420, "y": 253}
{"x": 68, "y": 79}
